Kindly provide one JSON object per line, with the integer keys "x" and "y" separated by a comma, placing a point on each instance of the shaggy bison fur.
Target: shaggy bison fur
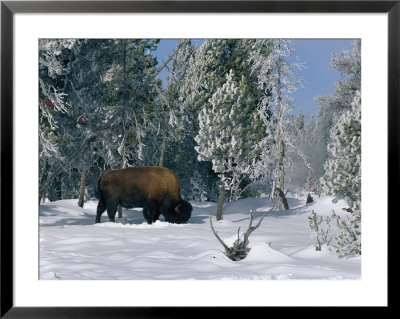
{"x": 154, "y": 188}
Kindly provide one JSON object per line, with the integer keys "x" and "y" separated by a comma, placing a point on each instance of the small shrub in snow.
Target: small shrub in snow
{"x": 347, "y": 236}
{"x": 348, "y": 239}
{"x": 321, "y": 229}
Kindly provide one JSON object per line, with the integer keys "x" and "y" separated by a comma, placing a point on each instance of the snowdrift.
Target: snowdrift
{"x": 73, "y": 247}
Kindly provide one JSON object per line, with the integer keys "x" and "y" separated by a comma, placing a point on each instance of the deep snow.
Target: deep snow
{"x": 72, "y": 246}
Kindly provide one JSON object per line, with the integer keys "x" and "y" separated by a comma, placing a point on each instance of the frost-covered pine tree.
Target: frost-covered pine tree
{"x": 343, "y": 175}
{"x": 222, "y": 138}
{"x": 179, "y": 97}
{"x": 278, "y": 77}
{"x": 131, "y": 92}
{"x": 107, "y": 92}
{"x": 205, "y": 70}
{"x": 343, "y": 170}
{"x": 348, "y": 64}
{"x": 53, "y": 108}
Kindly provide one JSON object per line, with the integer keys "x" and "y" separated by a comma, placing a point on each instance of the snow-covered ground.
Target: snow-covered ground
{"x": 72, "y": 246}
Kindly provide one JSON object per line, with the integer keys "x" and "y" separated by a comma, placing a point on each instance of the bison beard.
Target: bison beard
{"x": 154, "y": 188}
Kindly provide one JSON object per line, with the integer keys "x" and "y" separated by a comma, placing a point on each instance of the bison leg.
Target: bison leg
{"x": 151, "y": 212}
{"x": 156, "y": 216}
{"x": 112, "y": 210}
{"x": 155, "y": 211}
{"x": 101, "y": 207}
{"x": 148, "y": 216}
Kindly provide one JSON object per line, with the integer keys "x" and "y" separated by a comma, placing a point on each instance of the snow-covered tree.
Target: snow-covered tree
{"x": 348, "y": 63}
{"x": 223, "y": 139}
{"x": 343, "y": 175}
{"x": 109, "y": 88}
{"x": 278, "y": 78}
{"x": 180, "y": 115}
{"x": 54, "y": 58}
{"x": 299, "y": 157}
{"x": 343, "y": 170}
{"x": 204, "y": 72}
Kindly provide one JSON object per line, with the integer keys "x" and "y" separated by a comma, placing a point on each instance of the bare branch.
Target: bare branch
{"x": 169, "y": 59}
{"x": 251, "y": 229}
{"x": 219, "y": 239}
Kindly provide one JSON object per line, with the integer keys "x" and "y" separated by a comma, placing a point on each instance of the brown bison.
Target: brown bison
{"x": 154, "y": 188}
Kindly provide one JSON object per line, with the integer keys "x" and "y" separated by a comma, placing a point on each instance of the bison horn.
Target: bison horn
{"x": 177, "y": 208}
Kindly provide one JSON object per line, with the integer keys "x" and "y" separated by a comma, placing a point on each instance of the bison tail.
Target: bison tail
{"x": 100, "y": 195}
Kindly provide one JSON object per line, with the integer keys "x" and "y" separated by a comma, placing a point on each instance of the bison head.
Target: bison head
{"x": 181, "y": 214}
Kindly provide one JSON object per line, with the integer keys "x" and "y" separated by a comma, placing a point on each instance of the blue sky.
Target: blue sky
{"x": 319, "y": 77}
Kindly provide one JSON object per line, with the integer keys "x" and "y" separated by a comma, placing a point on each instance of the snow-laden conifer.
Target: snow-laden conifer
{"x": 107, "y": 88}
{"x": 221, "y": 137}
{"x": 343, "y": 170}
{"x": 180, "y": 96}
{"x": 348, "y": 63}
{"x": 204, "y": 73}
{"x": 343, "y": 176}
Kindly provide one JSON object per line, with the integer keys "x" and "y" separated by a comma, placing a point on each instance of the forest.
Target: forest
{"x": 223, "y": 119}
{"x": 222, "y": 115}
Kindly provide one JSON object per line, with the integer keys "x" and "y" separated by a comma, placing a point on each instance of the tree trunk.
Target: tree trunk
{"x": 164, "y": 140}
{"x": 82, "y": 188}
{"x": 220, "y": 202}
{"x": 60, "y": 171}
{"x": 55, "y": 190}
{"x": 42, "y": 196}
{"x": 280, "y": 136}
{"x": 283, "y": 204}
{"x": 309, "y": 199}
{"x": 281, "y": 164}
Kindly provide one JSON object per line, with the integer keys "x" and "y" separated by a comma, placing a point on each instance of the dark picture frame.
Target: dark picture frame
{"x": 9, "y": 8}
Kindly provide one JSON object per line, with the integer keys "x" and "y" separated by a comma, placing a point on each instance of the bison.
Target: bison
{"x": 154, "y": 188}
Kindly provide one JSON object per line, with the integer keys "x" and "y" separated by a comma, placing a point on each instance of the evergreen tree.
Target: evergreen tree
{"x": 107, "y": 93}
{"x": 348, "y": 63}
{"x": 131, "y": 95}
{"x": 195, "y": 177}
{"x": 222, "y": 137}
{"x": 53, "y": 108}
{"x": 343, "y": 171}
{"x": 204, "y": 72}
